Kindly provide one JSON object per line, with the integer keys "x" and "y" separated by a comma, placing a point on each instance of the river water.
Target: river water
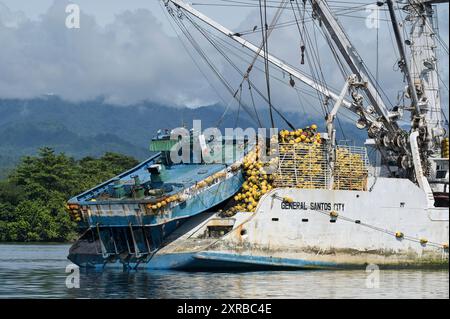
{"x": 39, "y": 271}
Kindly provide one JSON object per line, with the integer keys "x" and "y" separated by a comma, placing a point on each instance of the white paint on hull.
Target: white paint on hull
{"x": 391, "y": 205}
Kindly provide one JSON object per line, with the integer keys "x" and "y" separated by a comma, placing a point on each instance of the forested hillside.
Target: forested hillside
{"x": 33, "y": 197}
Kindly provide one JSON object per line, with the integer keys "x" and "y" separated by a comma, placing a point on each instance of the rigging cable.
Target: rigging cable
{"x": 253, "y": 100}
{"x": 264, "y": 33}
{"x": 239, "y": 108}
{"x": 205, "y": 58}
{"x": 251, "y": 83}
{"x": 238, "y": 49}
{"x": 214, "y": 44}
{"x": 194, "y": 60}
{"x": 312, "y": 62}
{"x": 255, "y": 58}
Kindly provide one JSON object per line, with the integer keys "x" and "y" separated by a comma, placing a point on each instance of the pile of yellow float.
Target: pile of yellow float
{"x": 180, "y": 198}
{"x": 302, "y": 160}
{"x": 257, "y": 183}
{"x": 163, "y": 203}
{"x": 301, "y": 166}
{"x": 350, "y": 172}
{"x": 74, "y": 212}
{"x": 307, "y": 135}
{"x": 301, "y": 163}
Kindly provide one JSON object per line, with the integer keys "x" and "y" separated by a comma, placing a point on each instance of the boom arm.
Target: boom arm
{"x": 275, "y": 61}
{"x": 354, "y": 61}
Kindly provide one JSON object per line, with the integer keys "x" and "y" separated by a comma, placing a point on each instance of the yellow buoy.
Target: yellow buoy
{"x": 334, "y": 214}
{"x": 399, "y": 234}
{"x": 288, "y": 199}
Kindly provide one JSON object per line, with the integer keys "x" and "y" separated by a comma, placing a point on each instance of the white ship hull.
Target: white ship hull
{"x": 302, "y": 234}
{"x": 363, "y": 233}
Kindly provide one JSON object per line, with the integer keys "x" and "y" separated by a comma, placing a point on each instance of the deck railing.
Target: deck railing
{"x": 307, "y": 166}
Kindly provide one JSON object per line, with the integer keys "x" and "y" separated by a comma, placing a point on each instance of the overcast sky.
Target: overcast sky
{"x": 127, "y": 51}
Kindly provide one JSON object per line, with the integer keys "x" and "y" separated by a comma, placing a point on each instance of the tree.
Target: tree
{"x": 32, "y": 199}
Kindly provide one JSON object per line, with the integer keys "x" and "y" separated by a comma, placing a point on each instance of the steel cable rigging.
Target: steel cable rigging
{"x": 203, "y": 55}
{"x": 264, "y": 33}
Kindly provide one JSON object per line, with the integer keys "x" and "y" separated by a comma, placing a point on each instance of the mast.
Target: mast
{"x": 404, "y": 63}
{"x": 424, "y": 69}
{"x": 391, "y": 140}
{"x": 354, "y": 61}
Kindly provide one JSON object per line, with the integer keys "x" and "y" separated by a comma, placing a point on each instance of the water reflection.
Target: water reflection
{"x": 32, "y": 271}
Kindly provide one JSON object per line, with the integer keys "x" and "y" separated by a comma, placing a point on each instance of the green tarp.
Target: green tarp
{"x": 162, "y": 145}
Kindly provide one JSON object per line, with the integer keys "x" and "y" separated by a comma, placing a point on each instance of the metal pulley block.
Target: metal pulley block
{"x": 374, "y": 129}
{"x": 387, "y": 141}
{"x": 361, "y": 123}
{"x": 370, "y": 109}
{"x": 357, "y": 98}
{"x": 404, "y": 161}
{"x": 400, "y": 141}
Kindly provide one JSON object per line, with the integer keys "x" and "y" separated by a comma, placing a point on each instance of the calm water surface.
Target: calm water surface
{"x": 38, "y": 271}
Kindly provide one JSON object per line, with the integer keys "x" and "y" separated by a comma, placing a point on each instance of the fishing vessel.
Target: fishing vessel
{"x": 325, "y": 205}
{"x": 126, "y": 218}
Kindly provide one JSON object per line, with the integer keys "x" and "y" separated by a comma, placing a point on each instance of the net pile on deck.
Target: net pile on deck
{"x": 257, "y": 183}
{"x": 258, "y": 173}
{"x": 350, "y": 170}
{"x": 302, "y": 159}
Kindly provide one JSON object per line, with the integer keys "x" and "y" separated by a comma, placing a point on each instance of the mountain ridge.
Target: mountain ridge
{"x": 91, "y": 128}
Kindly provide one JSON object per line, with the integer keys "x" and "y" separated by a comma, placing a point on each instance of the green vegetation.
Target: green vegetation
{"x": 33, "y": 197}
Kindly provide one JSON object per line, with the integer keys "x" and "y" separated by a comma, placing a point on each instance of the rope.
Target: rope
{"x": 264, "y": 33}
{"x": 253, "y": 102}
{"x": 216, "y": 46}
{"x": 239, "y": 108}
{"x": 206, "y": 59}
{"x": 383, "y": 230}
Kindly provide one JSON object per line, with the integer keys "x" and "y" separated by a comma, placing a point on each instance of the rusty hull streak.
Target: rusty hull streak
{"x": 344, "y": 257}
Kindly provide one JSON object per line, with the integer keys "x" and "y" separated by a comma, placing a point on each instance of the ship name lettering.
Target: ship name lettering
{"x": 320, "y": 206}
{"x": 323, "y": 206}
{"x": 294, "y": 205}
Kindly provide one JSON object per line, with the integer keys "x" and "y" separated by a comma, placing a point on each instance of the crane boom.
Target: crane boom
{"x": 404, "y": 63}
{"x": 354, "y": 61}
{"x": 255, "y": 49}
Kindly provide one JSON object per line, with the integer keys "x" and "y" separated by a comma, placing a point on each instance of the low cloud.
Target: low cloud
{"x": 129, "y": 60}
{"x": 134, "y": 59}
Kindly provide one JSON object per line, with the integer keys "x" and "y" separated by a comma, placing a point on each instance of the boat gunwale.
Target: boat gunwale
{"x": 76, "y": 199}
